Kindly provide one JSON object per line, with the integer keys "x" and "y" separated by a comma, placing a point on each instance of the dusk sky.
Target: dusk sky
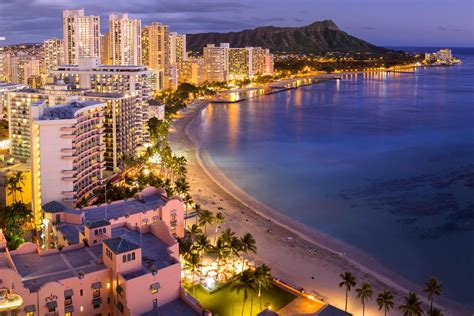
{"x": 384, "y": 22}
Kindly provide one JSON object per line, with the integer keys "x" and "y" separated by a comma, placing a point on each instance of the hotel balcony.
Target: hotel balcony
{"x": 69, "y": 193}
{"x": 68, "y": 179}
{"x": 71, "y": 157}
{"x": 68, "y": 136}
{"x": 68, "y": 150}
{"x": 67, "y": 129}
{"x": 68, "y": 172}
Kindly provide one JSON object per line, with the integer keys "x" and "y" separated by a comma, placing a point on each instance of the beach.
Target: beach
{"x": 297, "y": 254}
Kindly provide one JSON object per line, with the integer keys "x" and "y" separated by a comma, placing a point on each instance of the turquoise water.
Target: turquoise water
{"x": 384, "y": 162}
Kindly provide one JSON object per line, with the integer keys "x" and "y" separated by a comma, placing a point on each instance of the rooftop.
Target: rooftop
{"x": 67, "y": 110}
{"x": 154, "y": 251}
{"x": 123, "y": 208}
{"x": 36, "y": 270}
{"x": 120, "y": 245}
{"x": 54, "y": 207}
{"x": 97, "y": 224}
{"x": 174, "y": 308}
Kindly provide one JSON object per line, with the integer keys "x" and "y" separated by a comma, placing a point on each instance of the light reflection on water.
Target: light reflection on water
{"x": 373, "y": 159}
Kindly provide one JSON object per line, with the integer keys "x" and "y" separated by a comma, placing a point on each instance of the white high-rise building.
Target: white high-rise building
{"x": 125, "y": 40}
{"x": 53, "y": 49}
{"x": 177, "y": 47}
{"x": 81, "y": 36}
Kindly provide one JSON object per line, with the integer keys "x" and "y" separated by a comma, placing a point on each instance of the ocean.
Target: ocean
{"x": 383, "y": 162}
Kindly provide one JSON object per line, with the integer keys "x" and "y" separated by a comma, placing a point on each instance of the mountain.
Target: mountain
{"x": 317, "y": 37}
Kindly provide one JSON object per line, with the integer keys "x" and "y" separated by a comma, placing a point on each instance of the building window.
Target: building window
{"x": 133, "y": 256}
{"x": 129, "y": 257}
{"x": 81, "y": 292}
{"x": 124, "y": 258}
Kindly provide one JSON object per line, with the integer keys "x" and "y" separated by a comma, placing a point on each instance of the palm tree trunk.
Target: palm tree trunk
{"x": 251, "y": 304}
{"x": 260, "y": 295}
{"x": 363, "y": 309}
{"x": 431, "y": 305}
{"x": 185, "y": 214}
{"x": 346, "y": 301}
{"x": 193, "y": 281}
{"x": 243, "y": 305}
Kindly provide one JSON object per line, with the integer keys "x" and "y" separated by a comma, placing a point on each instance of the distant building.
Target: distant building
{"x": 192, "y": 70}
{"x": 111, "y": 263}
{"x": 177, "y": 47}
{"x": 125, "y": 40}
{"x": 81, "y": 36}
{"x": 216, "y": 61}
{"x": 155, "y": 47}
{"x": 53, "y": 56}
{"x": 249, "y": 62}
{"x": 67, "y": 151}
{"x": 4, "y": 88}
{"x": 105, "y": 49}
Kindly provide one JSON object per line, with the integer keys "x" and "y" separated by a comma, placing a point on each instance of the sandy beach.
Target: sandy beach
{"x": 297, "y": 254}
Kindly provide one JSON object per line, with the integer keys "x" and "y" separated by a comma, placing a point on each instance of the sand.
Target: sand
{"x": 297, "y": 254}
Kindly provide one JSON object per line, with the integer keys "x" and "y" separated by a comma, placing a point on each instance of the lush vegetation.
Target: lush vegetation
{"x": 331, "y": 62}
{"x": 412, "y": 305}
{"x": 15, "y": 217}
{"x": 228, "y": 302}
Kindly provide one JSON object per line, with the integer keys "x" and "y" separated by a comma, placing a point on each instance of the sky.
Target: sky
{"x": 445, "y": 23}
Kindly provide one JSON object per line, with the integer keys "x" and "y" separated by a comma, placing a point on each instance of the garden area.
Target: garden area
{"x": 228, "y": 302}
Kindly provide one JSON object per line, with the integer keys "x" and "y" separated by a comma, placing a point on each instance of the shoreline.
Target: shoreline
{"x": 306, "y": 244}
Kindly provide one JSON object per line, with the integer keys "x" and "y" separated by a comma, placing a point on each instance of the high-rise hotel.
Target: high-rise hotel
{"x": 125, "y": 40}
{"x": 81, "y": 36}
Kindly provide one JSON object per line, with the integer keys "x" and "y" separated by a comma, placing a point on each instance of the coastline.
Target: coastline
{"x": 297, "y": 254}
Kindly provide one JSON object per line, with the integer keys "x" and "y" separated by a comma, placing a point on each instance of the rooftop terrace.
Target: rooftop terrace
{"x": 37, "y": 270}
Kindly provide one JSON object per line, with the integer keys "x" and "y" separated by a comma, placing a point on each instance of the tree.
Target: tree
{"x": 264, "y": 280}
{"x": 185, "y": 247}
{"x": 194, "y": 231}
{"x": 198, "y": 210}
{"x": 187, "y": 202}
{"x": 411, "y": 306}
{"x": 218, "y": 219}
{"x": 435, "y": 312}
{"x": 245, "y": 283}
{"x": 248, "y": 245}
{"x": 222, "y": 251}
{"x": 433, "y": 287}
{"x": 348, "y": 281}
{"x": 181, "y": 187}
{"x": 12, "y": 220}
{"x": 364, "y": 293}
{"x": 206, "y": 218}
{"x": 385, "y": 301}
{"x": 193, "y": 264}
{"x": 202, "y": 243}
{"x": 235, "y": 247}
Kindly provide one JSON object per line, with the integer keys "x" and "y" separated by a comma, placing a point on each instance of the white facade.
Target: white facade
{"x": 81, "y": 36}
{"x": 216, "y": 60}
{"x": 125, "y": 40}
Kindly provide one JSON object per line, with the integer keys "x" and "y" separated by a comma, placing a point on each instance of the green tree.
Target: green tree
{"x": 245, "y": 283}
{"x": 435, "y": 312}
{"x": 264, "y": 280}
{"x": 385, "y": 301}
{"x": 248, "y": 245}
{"x": 202, "y": 244}
{"x": 222, "y": 251}
{"x": 433, "y": 287}
{"x": 348, "y": 282}
{"x": 411, "y": 306}
{"x": 364, "y": 293}
{"x": 194, "y": 231}
{"x": 193, "y": 264}
{"x": 206, "y": 218}
{"x": 12, "y": 220}
{"x": 187, "y": 200}
{"x": 218, "y": 219}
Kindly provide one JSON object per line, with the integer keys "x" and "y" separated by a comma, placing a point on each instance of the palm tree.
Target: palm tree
{"x": 364, "y": 293}
{"x": 194, "y": 231}
{"x": 227, "y": 235}
{"x": 12, "y": 186}
{"x": 206, "y": 218}
{"x": 181, "y": 187}
{"x": 264, "y": 279}
{"x": 218, "y": 219}
{"x": 412, "y": 305}
{"x": 202, "y": 243}
{"x": 435, "y": 312}
{"x": 222, "y": 251}
{"x": 248, "y": 245}
{"x": 198, "y": 210}
{"x": 348, "y": 281}
{"x": 193, "y": 264}
{"x": 245, "y": 283}
{"x": 235, "y": 247}
{"x": 187, "y": 202}
{"x": 433, "y": 287}
{"x": 185, "y": 247}
{"x": 385, "y": 301}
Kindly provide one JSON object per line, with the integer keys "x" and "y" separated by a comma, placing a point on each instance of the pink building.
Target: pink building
{"x": 119, "y": 259}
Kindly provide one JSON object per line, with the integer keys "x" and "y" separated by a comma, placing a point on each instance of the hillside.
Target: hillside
{"x": 317, "y": 37}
